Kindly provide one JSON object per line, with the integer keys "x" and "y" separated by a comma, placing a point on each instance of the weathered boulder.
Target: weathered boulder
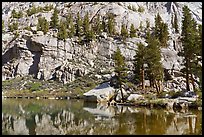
{"x": 135, "y": 97}
{"x": 102, "y": 93}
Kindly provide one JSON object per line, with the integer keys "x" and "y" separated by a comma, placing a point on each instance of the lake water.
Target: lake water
{"x": 64, "y": 117}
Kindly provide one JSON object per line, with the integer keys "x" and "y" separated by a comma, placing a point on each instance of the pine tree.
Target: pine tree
{"x": 78, "y": 25}
{"x": 2, "y": 25}
{"x": 147, "y": 24}
{"x": 13, "y": 26}
{"x": 39, "y": 25}
{"x": 97, "y": 25}
{"x": 158, "y": 25}
{"x": 111, "y": 24}
{"x": 195, "y": 66}
{"x": 31, "y": 11}
{"x": 188, "y": 43}
{"x": 164, "y": 35}
{"x": 140, "y": 59}
{"x": 43, "y": 25}
{"x": 71, "y": 28}
{"x": 161, "y": 31}
{"x": 86, "y": 24}
{"x": 103, "y": 25}
{"x": 132, "y": 31}
{"x": 69, "y": 18}
{"x": 154, "y": 70}
{"x": 46, "y": 26}
{"x": 124, "y": 32}
{"x": 148, "y": 34}
{"x": 199, "y": 55}
{"x": 176, "y": 23}
{"x": 141, "y": 26}
{"x": 90, "y": 35}
{"x": 13, "y": 13}
{"x": 200, "y": 40}
{"x": 120, "y": 69}
{"x": 17, "y": 14}
{"x": 62, "y": 34}
{"x": 54, "y": 19}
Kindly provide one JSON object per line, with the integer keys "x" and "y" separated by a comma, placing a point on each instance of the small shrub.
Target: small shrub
{"x": 13, "y": 26}
{"x": 17, "y": 14}
{"x": 90, "y": 84}
{"x": 129, "y": 7}
{"x": 48, "y": 8}
{"x": 16, "y": 34}
{"x": 35, "y": 86}
{"x": 34, "y": 10}
{"x": 141, "y": 9}
{"x": 28, "y": 28}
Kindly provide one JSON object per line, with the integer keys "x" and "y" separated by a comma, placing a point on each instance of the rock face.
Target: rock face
{"x": 45, "y": 57}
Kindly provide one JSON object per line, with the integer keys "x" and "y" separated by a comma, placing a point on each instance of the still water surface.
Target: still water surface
{"x": 46, "y": 117}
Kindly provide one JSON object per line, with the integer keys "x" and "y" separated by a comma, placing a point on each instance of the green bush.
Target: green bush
{"x": 17, "y": 14}
{"x": 34, "y": 10}
{"x": 35, "y": 86}
{"x": 13, "y": 26}
{"x": 48, "y": 7}
{"x": 90, "y": 84}
{"x": 28, "y": 28}
{"x": 129, "y": 7}
{"x": 141, "y": 9}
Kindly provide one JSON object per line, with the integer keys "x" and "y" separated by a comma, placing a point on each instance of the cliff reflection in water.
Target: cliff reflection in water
{"x": 49, "y": 117}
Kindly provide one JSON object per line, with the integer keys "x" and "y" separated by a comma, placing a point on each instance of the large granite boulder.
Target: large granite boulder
{"x": 102, "y": 93}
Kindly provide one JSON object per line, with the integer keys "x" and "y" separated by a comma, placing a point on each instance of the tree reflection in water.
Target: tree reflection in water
{"x": 63, "y": 117}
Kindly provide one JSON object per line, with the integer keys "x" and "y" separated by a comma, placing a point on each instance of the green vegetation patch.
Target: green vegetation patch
{"x": 35, "y": 86}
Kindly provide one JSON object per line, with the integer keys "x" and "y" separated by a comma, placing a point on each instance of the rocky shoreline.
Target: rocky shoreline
{"x": 157, "y": 103}
{"x": 63, "y": 92}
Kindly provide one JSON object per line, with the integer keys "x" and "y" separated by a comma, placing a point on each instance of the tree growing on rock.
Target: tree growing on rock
{"x": 139, "y": 61}
{"x": 70, "y": 26}
{"x": 88, "y": 30}
{"x": 17, "y": 14}
{"x": 111, "y": 24}
{"x": 2, "y": 25}
{"x": 141, "y": 26}
{"x": 153, "y": 60}
{"x": 161, "y": 31}
{"x": 86, "y": 24}
{"x": 54, "y": 19}
{"x": 147, "y": 24}
{"x": 62, "y": 34}
{"x": 78, "y": 25}
{"x": 68, "y": 19}
{"x": 13, "y": 26}
{"x": 158, "y": 25}
{"x": 124, "y": 32}
{"x": 120, "y": 69}
{"x": 164, "y": 35}
{"x": 97, "y": 27}
{"x": 31, "y": 10}
{"x": 103, "y": 25}
{"x": 189, "y": 44}
{"x": 132, "y": 31}
{"x": 90, "y": 35}
{"x": 43, "y": 25}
